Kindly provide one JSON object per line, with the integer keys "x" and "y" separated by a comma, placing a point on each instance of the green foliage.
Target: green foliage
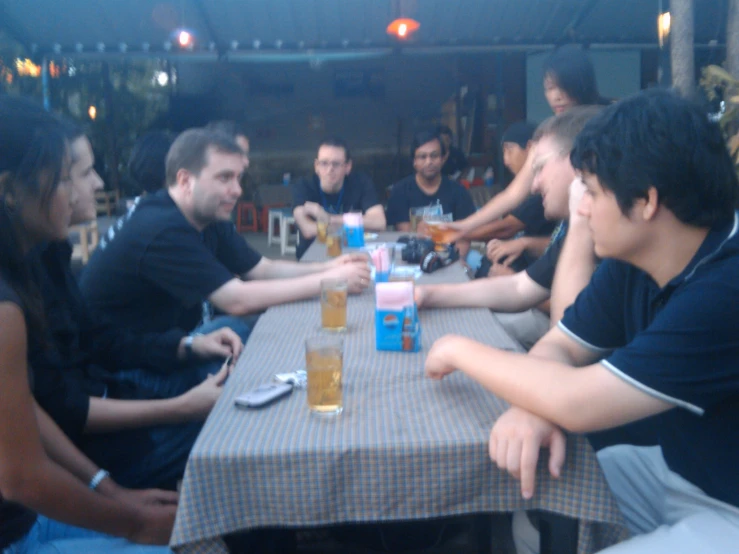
{"x": 716, "y": 80}
{"x": 133, "y": 103}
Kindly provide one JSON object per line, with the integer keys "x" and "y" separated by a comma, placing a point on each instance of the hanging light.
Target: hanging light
{"x": 185, "y": 39}
{"x": 92, "y": 111}
{"x": 663, "y": 27}
{"x": 403, "y": 28}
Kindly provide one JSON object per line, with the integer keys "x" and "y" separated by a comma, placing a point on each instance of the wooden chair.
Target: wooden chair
{"x": 106, "y": 201}
{"x": 246, "y": 217}
{"x": 89, "y": 238}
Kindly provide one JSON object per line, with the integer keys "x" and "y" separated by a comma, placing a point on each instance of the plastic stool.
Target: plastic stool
{"x": 246, "y": 217}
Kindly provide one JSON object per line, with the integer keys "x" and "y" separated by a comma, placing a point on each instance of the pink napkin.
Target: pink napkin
{"x": 381, "y": 259}
{"x": 353, "y": 220}
{"x": 393, "y": 296}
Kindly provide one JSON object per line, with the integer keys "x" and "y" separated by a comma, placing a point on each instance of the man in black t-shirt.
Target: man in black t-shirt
{"x": 428, "y": 187}
{"x": 175, "y": 250}
{"x": 525, "y": 290}
{"x": 333, "y": 191}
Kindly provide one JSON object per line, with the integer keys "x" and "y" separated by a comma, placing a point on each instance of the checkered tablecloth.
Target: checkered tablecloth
{"x": 405, "y": 447}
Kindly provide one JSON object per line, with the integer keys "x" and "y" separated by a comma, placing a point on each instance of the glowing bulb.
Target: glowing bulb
{"x": 402, "y": 30}
{"x": 92, "y": 111}
{"x": 184, "y": 39}
{"x": 162, "y": 78}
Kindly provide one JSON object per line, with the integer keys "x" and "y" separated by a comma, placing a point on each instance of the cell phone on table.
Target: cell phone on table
{"x": 263, "y": 395}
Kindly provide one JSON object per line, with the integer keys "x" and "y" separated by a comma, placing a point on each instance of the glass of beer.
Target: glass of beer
{"x": 323, "y": 364}
{"x": 322, "y": 228}
{"x": 333, "y": 304}
{"x": 334, "y": 238}
{"x": 415, "y": 215}
{"x": 439, "y": 233}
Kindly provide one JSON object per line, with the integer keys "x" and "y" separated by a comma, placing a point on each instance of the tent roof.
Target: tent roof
{"x": 233, "y": 28}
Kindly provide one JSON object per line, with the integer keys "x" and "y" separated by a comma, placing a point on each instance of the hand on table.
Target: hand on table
{"x": 515, "y": 441}
{"x": 356, "y": 273}
{"x": 437, "y": 362}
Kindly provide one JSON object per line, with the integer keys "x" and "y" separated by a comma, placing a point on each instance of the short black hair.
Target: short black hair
{"x": 189, "y": 151}
{"x": 422, "y": 137}
{"x": 520, "y": 132}
{"x": 336, "y": 142}
{"x": 146, "y": 165}
{"x": 571, "y": 68}
{"x": 658, "y": 139}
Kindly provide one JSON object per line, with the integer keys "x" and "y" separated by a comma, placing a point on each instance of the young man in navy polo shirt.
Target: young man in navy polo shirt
{"x": 653, "y": 334}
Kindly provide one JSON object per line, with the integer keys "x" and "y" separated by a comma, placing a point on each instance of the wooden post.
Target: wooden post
{"x": 682, "y": 49}
{"x": 732, "y": 39}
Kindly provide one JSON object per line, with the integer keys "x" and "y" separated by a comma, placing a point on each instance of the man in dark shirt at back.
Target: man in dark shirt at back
{"x": 333, "y": 190}
{"x": 428, "y": 187}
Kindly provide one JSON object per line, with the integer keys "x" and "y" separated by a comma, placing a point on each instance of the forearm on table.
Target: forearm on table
{"x": 575, "y": 267}
{"x": 543, "y": 387}
{"x": 108, "y": 414}
{"x": 501, "y": 294}
{"x": 284, "y": 269}
{"x": 246, "y": 297}
{"x": 374, "y": 219}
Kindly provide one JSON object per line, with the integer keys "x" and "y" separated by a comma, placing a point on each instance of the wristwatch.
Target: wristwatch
{"x": 188, "y": 344}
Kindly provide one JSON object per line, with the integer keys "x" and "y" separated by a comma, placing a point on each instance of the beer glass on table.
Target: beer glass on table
{"x": 324, "y": 365}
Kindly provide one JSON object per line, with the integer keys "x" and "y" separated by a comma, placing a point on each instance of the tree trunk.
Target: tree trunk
{"x": 682, "y": 53}
{"x": 732, "y": 39}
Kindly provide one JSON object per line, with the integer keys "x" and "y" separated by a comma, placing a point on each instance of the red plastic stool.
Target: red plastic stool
{"x": 246, "y": 217}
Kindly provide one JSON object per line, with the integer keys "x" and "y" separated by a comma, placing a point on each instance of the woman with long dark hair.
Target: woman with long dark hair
{"x": 80, "y": 509}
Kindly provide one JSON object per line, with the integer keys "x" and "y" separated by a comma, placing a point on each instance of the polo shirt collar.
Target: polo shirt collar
{"x": 711, "y": 246}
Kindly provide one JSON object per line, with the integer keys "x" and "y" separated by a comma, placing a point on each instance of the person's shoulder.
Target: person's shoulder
{"x": 405, "y": 183}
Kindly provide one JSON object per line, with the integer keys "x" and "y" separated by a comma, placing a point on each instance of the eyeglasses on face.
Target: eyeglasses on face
{"x": 325, "y": 164}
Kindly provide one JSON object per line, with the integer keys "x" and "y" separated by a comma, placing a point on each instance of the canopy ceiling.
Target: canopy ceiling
{"x": 236, "y": 29}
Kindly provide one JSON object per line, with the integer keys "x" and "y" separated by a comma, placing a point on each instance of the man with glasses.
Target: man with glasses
{"x": 428, "y": 187}
{"x": 332, "y": 191}
{"x": 516, "y": 295}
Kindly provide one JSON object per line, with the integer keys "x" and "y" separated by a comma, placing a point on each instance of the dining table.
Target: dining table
{"x": 405, "y": 448}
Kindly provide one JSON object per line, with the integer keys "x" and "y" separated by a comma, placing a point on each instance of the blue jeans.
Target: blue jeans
{"x": 51, "y": 537}
{"x": 156, "y": 456}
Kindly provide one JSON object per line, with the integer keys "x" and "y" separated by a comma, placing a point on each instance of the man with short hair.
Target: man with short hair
{"x": 333, "y": 190}
{"x": 178, "y": 248}
{"x": 653, "y": 334}
{"x": 428, "y": 187}
{"x": 553, "y": 175}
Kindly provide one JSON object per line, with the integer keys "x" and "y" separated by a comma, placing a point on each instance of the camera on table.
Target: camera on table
{"x": 415, "y": 249}
{"x": 421, "y": 251}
